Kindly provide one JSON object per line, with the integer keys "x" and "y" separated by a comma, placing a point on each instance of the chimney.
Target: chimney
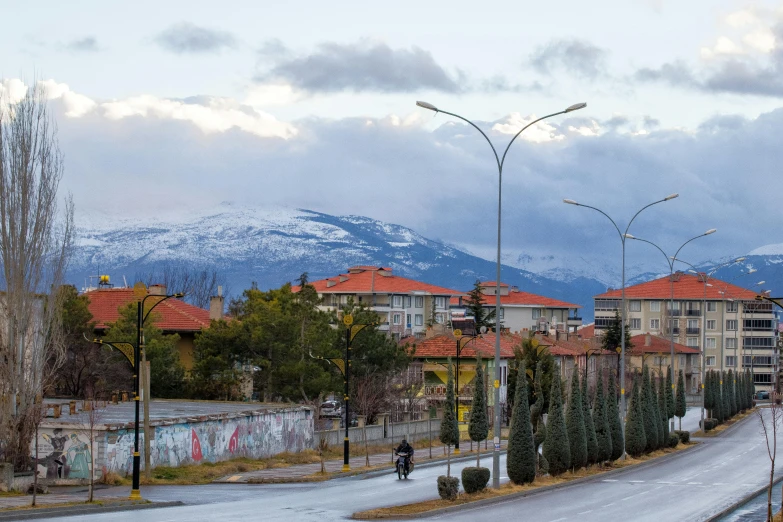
{"x": 157, "y": 290}
{"x": 647, "y": 340}
{"x": 216, "y": 305}
{"x": 676, "y": 276}
{"x": 702, "y": 277}
{"x": 515, "y": 289}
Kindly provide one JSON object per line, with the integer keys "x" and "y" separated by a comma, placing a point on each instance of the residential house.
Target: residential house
{"x": 654, "y": 352}
{"x": 406, "y": 307}
{"x": 725, "y": 321}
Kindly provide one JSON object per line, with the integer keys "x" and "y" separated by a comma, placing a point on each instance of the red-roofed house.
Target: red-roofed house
{"x": 735, "y": 331}
{"x": 523, "y": 311}
{"x": 175, "y": 316}
{"x": 404, "y": 305}
{"x": 655, "y": 352}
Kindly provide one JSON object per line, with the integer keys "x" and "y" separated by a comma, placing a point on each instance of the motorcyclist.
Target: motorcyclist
{"x": 406, "y": 448}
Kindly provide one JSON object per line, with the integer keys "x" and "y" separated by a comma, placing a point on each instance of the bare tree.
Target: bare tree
{"x": 370, "y": 398}
{"x": 35, "y": 241}
{"x": 91, "y": 417}
{"x": 770, "y": 418}
{"x": 198, "y": 284}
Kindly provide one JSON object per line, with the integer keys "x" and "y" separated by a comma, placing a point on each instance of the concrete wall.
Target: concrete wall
{"x": 65, "y": 450}
{"x": 380, "y": 434}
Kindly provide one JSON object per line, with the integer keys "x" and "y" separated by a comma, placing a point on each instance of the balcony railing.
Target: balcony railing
{"x": 439, "y": 390}
{"x": 692, "y": 331}
{"x": 693, "y": 313}
{"x": 674, "y": 313}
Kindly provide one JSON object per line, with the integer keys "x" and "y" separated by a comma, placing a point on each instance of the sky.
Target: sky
{"x": 169, "y": 107}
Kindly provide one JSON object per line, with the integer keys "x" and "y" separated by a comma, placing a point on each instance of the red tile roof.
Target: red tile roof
{"x": 174, "y": 315}
{"x": 587, "y": 331}
{"x": 494, "y": 284}
{"x": 688, "y": 287}
{"x": 442, "y": 346}
{"x": 526, "y": 298}
{"x": 658, "y": 345}
{"x": 368, "y": 280}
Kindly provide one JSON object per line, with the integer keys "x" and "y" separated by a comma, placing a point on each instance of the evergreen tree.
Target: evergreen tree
{"x": 750, "y": 391}
{"x": 662, "y": 411}
{"x": 635, "y": 439}
{"x": 612, "y": 338}
{"x": 717, "y": 398}
{"x": 521, "y": 458}
{"x": 475, "y": 306}
{"x": 478, "y": 427}
{"x": 590, "y": 436}
{"x": 731, "y": 393}
{"x": 575, "y": 423}
{"x": 724, "y": 390}
{"x": 536, "y": 413}
{"x": 679, "y": 405}
{"x": 511, "y": 387}
{"x": 534, "y": 355}
{"x": 613, "y": 418}
{"x": 648, "y": 413}
{"x": 557, "y": 450}
{"x": 449, "y": 432}
{"x": 603, "y": 432}
{"x": 708, "y": 402}
{"x": 669, "y": 394}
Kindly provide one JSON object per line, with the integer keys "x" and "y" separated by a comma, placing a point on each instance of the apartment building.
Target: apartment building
{"x": 406, "y": 307}
{"x": 729, "y": 327}
{"x": 523, "y": 311}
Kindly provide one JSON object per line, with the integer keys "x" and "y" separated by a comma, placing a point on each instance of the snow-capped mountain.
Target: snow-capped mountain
{"x": 272, "y": 247}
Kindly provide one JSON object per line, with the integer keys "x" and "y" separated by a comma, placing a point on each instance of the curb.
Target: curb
{"x": 547, "y": 489}
{"x": 84, "y": 509}
{"x": 744, "y": 501}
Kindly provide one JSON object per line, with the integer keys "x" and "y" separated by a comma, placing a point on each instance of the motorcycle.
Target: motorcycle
{"x": 400, "y": 467}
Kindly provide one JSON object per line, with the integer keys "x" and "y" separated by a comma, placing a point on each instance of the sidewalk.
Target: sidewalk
{"x": 311, "y": 472}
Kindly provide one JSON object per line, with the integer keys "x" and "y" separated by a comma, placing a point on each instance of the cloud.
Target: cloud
{"x": 578, "y": 57}
{"x": 362, "y": 66}
{"x": 87, "y": 44}
{"x": 188, "y": 38}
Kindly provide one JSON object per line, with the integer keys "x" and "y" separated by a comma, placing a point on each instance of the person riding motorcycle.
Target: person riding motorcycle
{"x": 404, "y": 447}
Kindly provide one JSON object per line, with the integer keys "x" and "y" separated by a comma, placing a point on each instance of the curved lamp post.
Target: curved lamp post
{"x": 670, "y": 262}
{"x": 623, "y": 236}
{"x": 499, "y": 160}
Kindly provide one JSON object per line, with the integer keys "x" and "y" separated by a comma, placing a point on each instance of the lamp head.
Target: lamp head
{"x": 179, "y": 295}
{"x": 760, "y": 283}
{"x": 576, "y": 107}
{"x": 671, "y": 196}
{"x": 710, "y": 231}
{"x": 629, "y": 236}
{"x": 570, "y": 202}
{"x": 425, "y": 105}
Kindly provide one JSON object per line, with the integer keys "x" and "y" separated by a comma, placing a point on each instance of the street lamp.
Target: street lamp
{"x": 623, "y": 236}
{"x": 462, "y": 341}
{"x": 670, "y": 262}
{"x": 500, "y": 161}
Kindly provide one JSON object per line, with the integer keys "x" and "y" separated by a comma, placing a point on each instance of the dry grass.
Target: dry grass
{"x": 510, "y": 489}
{"x": 778, "y": 517}
{"x": 722, "y": 427}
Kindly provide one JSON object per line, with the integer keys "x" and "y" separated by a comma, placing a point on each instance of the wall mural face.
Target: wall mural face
{"x": 63, "y": 454}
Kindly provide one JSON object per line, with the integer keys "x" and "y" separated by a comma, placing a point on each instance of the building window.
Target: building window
{"x": 655, "y": 324}
{"x": 655, "y": 306}
{"x": 710, "y": 360}
{"x": 607, "y": 304}
{"x": 682, "y": 361}
{"x": 396, "y": 318}
{"x": 731, "y": 360}
{"x": 732, "y": 306}
{"x": 419, "y": 319}
{"x": 636, "y": 324}
{"x": 731, "y": 343}
{"x": 693, "y": 342}
{"x": 504, "y": 375}
{"x": 419, "y": 302}
{"x": 673, "y": 306}
{"x": 408, "y": 320}
{"x": 635, "y": 306}
{"x": 659, "y": 361}
{"x": 711, "y": 324}
{"x": 397, "y": 301}
{"x": 440, "y": 318}
{"x": 502, "y": 313}
{"x": 711, "y": 343}
{"x": 731, "y": 324}
{"x": 762, "y": 378}
{"x": 408, "y": 302}
{"x": 440, "y": 303}
{"x": 712, "y": 306}
{"x": 758, "y": 342}
{"x": 536, "y": 313}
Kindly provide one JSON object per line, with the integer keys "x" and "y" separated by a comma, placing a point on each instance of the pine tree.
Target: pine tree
{"x": 590, "y": 436}
{"x": 648, "y": 412}
{"x": 679, "y": 406}
{"x": 613, "y": 336}
{"x": 613, "y": 418}
{"x": 449, "y": 432}
{"x": 575, "y": 423}
{"x": 635, "y": 439}
{"x": 475, "y": 306}
{"x": 669, "y": 394}
{"x": 478, "y": 427}
{"x": 603, "y": 433}
{"x": 557, "y": 450}
{"x": 662, "y": 411}
{"x": 521, "y": 458}
{"x": 536, "y": 413}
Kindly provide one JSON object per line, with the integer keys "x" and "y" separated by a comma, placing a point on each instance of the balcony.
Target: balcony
{"x": 675, "y": 330}
{"x": 574, "y": 321}
{"x": 692, "y": 331}
{"x": 693, "y": 313}
{"x": 674, "y": 313}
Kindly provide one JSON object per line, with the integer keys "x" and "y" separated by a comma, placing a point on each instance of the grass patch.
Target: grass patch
{"x": 112, "y": 502}
{"x": 722, "y": 427}
{"x": 509, "y": 488}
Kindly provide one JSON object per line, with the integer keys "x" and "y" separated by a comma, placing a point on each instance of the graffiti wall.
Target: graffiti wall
{"x": 64, "y": 453}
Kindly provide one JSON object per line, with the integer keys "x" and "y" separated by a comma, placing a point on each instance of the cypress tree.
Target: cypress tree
{"x": 613, "y": 418}
{"x": 730, "y": 391}
{"x": 557, "y": 449}
{"x": 511, "y": 387}
{"x": 449, "y": 431}
{"x": 662, "y": 413}
{"x": 478, "y": 427}
{"x": 738, "y": 391}
{"x": 603, "y": 433}
{"x": 679, "y": 405}
{"x": 536, "y": 413}
{"x": 751, "y": 387}
{"x": 635, "y": 439}
{"x": 590, "y": 436}
{"x": 717, "y": 398}
{"x": 709, "y": 404}
{"x": 669, "y": 394}
{"x": 724, "y": 390}
{"x": 521, "y": 458}
{"x": 648, "y": 409}
{"x": 575, "y": 423}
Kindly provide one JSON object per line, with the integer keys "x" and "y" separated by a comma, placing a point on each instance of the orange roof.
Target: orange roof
{"x": 174, "y": 315}
{"x": 587, "y": 331}
{"x": 493, "y": 283}
{"x": 368, "y": 280}
{"x": 515, "y": 297}
{"x": 658, "y": 345}
{"x": 443, "y": 346}
{"x": 688, "y": 287}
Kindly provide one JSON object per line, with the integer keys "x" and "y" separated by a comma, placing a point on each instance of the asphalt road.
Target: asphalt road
{"x": 689, "y": 487}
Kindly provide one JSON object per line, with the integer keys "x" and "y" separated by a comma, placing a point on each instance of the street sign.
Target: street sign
{"x": 348, "y": 320}
{"x": 497, "y": 383}
{"x": 457, "y": 333}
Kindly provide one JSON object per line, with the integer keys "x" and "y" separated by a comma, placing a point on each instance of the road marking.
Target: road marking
{"x": 608, "y": 480}
{"x": 636, "y": 481}
{"x": 668, "y": 483}
{"x": 607, "y": 505}
{"x": 694, "y": 483}
{"x": 585, "y": 512}
{"x": 234, "y": 478}
{"x": 719, "y": 483}
{"x": 558, "y": 519}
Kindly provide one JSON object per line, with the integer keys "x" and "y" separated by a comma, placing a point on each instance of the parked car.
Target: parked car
{"x": 331, "y": 409}
{"x": 762, "y": 395}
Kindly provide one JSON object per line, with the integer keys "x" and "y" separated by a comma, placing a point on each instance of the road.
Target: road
{"x": 690, "y": 487}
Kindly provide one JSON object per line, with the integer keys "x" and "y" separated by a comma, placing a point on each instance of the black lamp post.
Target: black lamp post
{"x": 461, "y": 342}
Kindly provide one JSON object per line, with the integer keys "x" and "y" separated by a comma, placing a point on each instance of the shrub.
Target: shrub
{"x": 709, "y": 424}
{"x": 473, "y": 479}
{"x": 674, "y": 439}
{"x": 448, "y": 487}
{"x": 556, "y": 448}
{"x": 685, "y": 436}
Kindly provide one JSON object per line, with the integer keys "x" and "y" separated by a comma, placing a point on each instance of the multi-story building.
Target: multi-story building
{"x": 723, "y": 321}
{"x": 405, "y": 306}
{"x": 523, "y": 311}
